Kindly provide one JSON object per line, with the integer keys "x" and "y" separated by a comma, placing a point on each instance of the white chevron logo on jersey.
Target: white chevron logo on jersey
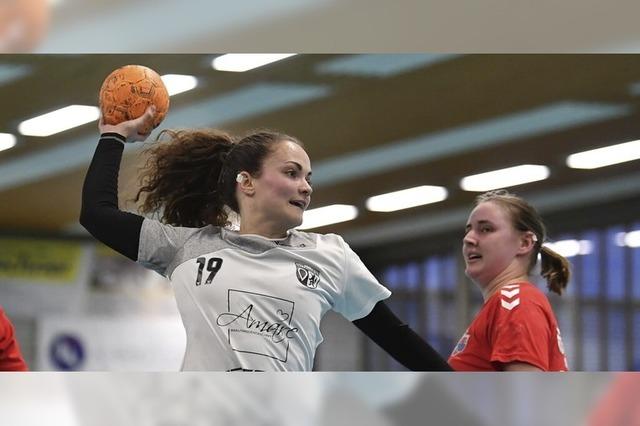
{"x": 509, "y": 305}
{"x": 510, "y": 293}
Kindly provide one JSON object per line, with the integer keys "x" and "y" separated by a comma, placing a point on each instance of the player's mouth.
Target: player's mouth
{"x": 302, "y": 205}
{"x": 472, "y": 257}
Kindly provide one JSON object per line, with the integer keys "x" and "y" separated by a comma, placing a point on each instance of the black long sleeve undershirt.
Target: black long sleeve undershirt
{"x": 400, "y": 341}
{"x": 120, "y": 230}
{"x": 100, "y": 214}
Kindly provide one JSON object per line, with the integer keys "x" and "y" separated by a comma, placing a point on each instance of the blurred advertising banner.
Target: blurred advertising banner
{"x": 131, "y": 343}
{"x": 43, "y": 276}
{"x": 39, "y": 260}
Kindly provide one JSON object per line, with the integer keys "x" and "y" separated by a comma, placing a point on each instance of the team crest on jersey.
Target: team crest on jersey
{"x": 307, "y": 276}
{"x": 462, "y": 343}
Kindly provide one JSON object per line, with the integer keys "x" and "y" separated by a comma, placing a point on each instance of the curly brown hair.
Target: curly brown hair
{"x": 189, "y": 176}
{"x": 554, "y": 267}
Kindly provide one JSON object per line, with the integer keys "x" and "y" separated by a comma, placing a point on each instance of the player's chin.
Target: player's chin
{"x": 472, "y": 272}
{"x": 295, "y": 220}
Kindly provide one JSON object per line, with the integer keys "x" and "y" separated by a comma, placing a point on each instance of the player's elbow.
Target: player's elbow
{"x": 88, "y": 218}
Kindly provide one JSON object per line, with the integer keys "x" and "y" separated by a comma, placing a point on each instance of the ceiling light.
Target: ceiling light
{"x": 177, "y": 83}
{"x": 239, "y": 62}
{"x": 406, "y": 198}
{"x": 7, "y": 141}
{"x": 328, "y": 215}
{"x": 59, "y": 120}
{"x": 629, "y": 239}
{"x": 606, "y": 156}
{"x": 504, "y": 178}
{"x": 571, "y": 248}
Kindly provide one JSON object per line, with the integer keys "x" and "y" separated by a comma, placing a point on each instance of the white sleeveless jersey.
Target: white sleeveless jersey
{"x": 253, "y": 304}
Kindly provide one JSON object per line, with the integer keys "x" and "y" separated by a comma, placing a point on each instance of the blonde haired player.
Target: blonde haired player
{"x": 515, "y": 329}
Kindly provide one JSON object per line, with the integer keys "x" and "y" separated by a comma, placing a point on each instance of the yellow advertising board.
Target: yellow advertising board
{"x": 40, "y": 260}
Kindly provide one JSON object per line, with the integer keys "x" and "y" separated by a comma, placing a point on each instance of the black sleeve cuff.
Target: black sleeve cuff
{"x": 113, "y": 135}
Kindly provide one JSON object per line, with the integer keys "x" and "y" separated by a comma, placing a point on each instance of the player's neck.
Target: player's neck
{"x": 506, "y": 277}
{"x": 261, "y": 228}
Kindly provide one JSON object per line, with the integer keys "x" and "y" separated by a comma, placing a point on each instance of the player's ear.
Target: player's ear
{"x": 245, "y": 183}
{"x": 527, "y": 242}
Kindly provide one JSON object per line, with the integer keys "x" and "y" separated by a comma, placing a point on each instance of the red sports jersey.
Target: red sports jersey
{"x": 516, "y": 324}
{"x": 10, "y": 356}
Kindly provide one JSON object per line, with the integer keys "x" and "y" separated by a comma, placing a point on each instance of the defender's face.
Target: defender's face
{"x": 490, "y": 242}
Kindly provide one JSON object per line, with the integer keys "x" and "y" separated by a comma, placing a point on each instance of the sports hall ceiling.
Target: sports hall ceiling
{"x": 371, "y": 124}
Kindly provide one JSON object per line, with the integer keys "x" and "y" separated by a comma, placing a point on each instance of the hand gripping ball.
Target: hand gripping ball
{"x": 128, "y": 91}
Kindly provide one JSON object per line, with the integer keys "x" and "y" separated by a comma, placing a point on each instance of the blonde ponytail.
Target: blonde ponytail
{"x": 554, "y": 268}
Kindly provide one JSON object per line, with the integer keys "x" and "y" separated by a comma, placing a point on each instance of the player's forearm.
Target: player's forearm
{"x": 409, "y": 349}
{"x": 400, "y": 341}
{"x": 100, "y": 214}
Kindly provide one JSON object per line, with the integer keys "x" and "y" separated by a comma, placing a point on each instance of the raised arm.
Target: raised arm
{"x": 400, "y": 341}
{"x": 100, "y": 214}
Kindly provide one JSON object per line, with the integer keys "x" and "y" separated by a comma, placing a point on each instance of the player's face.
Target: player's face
{"x": 283, "y": 189}
{"x": 491, "y": 243}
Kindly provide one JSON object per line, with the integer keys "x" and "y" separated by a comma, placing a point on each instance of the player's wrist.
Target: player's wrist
{"x": 113, "y": 135}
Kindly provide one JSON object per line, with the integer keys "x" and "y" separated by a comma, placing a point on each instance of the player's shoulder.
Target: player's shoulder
{"x": 212, "y": 231}
{"x": 519, "y": 296}
{"x": 320, "y": 239}
{"x": 154, "y": 224}
{"x": 328, "y": 247}
{"x": 210, "y": 234}
{"x": 531, "y": 293}
{"x": 182, "y": 237}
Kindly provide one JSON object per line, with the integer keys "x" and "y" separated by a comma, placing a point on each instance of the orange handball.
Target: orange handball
{"x": 128, "y": 91}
